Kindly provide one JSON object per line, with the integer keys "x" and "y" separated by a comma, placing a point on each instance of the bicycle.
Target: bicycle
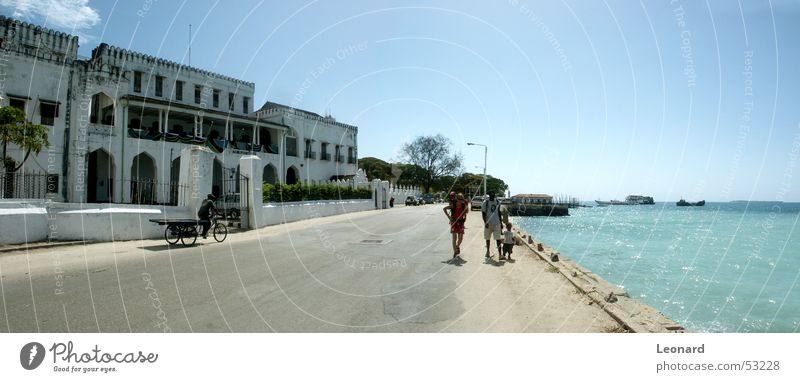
{"x": 187, "y": 230}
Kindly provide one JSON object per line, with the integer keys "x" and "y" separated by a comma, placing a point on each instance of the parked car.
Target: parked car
{"x": 476, "y": 203}
{"x": 428, "y": 198}
{"x": 228, "y": 206}
{"x": 420, "y": 201}
{"x": 411, "y": 201}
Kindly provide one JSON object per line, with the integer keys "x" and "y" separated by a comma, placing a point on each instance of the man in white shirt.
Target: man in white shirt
{"x": 490, "y": 210}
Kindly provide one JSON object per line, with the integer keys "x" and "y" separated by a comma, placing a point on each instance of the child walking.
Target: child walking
{"x": 508, "y": 243}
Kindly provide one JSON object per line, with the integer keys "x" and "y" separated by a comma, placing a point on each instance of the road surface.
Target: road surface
{"x": 374, "y": 271}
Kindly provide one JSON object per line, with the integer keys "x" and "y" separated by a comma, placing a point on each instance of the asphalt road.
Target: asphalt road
{"x": 374, "y": 271}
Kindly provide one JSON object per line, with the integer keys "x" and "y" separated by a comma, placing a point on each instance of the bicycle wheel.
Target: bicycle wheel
{"x": 172, "y": 234}
{"x": 220, "y": 232}
{"x": 189, "y": 236}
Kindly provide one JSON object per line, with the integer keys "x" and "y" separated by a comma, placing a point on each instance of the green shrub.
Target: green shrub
{"x": 299, "y": 192}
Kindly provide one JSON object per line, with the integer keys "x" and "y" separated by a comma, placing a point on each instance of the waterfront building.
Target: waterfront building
{"x": 120, "y": 119}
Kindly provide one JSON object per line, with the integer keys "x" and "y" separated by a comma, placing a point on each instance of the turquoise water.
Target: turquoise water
{"x": 724, "y": 267}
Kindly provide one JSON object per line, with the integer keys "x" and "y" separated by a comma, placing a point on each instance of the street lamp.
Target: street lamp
{"x": 485, "y": 150}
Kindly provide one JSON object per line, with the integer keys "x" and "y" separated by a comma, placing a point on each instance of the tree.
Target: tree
{"x": 375, "y": 168}
{"x": 16, "y": 130}
{"x": 432, "y": 154}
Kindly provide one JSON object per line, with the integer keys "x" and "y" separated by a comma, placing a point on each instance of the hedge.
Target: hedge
{"x": 299, "y": 192}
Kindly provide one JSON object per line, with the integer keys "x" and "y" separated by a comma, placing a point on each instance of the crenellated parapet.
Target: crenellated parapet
{"x": 37, "y": 42}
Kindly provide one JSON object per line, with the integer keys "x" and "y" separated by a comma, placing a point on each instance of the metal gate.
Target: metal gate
{"x": 233, "y": 203}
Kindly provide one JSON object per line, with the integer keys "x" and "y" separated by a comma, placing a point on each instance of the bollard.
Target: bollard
{"x": 554, "y": 257}
{"x": 530, "y": 240}
{"x": 539, "y": 247}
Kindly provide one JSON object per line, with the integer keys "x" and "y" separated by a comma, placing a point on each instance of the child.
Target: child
{"x": 508, "y": 242}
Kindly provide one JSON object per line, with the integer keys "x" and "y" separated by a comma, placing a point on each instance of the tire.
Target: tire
{"x": 172, "y": 234}
{"x": 220, "y": 232}
{"x": 234, "y": 214}
{"x": 189, "y": 236}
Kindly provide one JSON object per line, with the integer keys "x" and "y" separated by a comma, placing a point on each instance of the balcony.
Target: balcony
{"x": 325, "y": 156}
{"x": 311, "y": 155}
{"x": 351, "y": 160}
{"x": 340, "y": 158}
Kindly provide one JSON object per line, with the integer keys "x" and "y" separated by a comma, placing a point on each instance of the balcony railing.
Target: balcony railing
{"x": 351, "y": 160}
{"x": 311, "y": 155}
{"x": 325, "y": 156}
{"x": 340, "y": 158}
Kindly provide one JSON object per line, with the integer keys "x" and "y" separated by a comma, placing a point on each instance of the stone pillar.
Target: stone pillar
{"x": 385, "y": 194}
{"x": 250, "y": 166}
{"x": 197, "y": 163}
{"x": 376, "y": 194}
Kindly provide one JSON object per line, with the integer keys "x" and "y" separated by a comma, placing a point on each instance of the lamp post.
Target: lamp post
{"x": 485, "y": 151}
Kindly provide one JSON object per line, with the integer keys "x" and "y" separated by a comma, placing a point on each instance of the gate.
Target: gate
{"x": 234, "y": 196}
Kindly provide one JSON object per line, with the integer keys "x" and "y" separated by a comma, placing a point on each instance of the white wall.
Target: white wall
{"x": 278, "y": 213}
{"x": 22, "y": 223}
{"x": 123, "y": 222}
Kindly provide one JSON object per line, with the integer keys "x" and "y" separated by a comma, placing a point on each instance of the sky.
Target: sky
{"x": 590, "y": 99}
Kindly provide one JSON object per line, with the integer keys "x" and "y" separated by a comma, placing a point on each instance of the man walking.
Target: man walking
{"x": 490, "y": 210}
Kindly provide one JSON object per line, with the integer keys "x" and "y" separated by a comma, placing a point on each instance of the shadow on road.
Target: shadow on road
{"x": 166, "y": 247}
{"x": 457, "y": 261}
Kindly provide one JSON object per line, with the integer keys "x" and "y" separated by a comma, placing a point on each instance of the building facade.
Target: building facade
{"x": 119, "y": 120}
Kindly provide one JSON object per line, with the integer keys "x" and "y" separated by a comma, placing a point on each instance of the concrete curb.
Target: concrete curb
{"x": 40, "y": 245}
{"x": 633, "y": 315}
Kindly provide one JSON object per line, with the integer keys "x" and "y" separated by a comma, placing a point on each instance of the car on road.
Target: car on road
{"x": 411, "y": 201}
{"x": 427, "y": 198}
{"x": 476, "y": 203}
{"x": 228, "y": 206}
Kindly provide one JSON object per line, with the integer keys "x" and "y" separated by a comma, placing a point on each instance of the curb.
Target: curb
{"x": 34, "y": 246}
{"x": 632, "y": 314}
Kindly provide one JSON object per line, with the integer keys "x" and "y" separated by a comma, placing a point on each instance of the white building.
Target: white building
{"x": 120, "y": 119}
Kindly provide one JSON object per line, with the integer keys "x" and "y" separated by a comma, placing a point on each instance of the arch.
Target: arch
{"x": 216, "y": 178}
{"x": 270, "y": 174}
{"x": 100, "y": 179}
{"x": 143, "y": 174}
{"x": 102, "y": 109}
{"x": 292, "y": 175}
{"x": 174, "y": 179}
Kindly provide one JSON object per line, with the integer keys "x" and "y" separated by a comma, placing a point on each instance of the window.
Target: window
{"x": 230, "y": 101}
{"x": 137, "y": 82}
{"x": 179, "y": 90}
{"x": 49, "y": 112}
{"x": 197, "y": 91}
{"x": 308, "y": 153}
{"x": 216, "y": 98}
{"x": 159, "y": 86}
{"x": 337, "y": 154}
{"x": 245, "y": 105}
{"x": 18, "y": 103}
{"x": 324, "y": 151}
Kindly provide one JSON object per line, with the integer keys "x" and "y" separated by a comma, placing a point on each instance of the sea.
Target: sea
{"x": 723, "y": 267}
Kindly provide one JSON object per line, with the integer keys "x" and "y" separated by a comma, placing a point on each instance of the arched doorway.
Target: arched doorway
{"x": 291, "y": 175}
{"x": 100, "y": 177}
{"x": 174, "y": 179}
{"x": 270, "y": 174}
{"x": 143, "y": 185}
{"x": 216, "y": 178}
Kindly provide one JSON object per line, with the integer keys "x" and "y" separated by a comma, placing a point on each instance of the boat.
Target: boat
{"x": 630, "y": 200}
{"x": 683, "y": 203}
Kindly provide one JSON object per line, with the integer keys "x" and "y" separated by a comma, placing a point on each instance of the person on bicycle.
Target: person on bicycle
{"x": 206, "y": 211}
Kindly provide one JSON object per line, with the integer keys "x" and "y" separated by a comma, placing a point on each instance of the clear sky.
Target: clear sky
{"x": 593, "y": 99}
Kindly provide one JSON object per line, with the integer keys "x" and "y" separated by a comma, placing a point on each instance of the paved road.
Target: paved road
{"x": 374, "y": 271}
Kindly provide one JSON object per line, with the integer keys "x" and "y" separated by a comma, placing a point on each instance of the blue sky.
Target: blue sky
{"x": 594, "y": 99}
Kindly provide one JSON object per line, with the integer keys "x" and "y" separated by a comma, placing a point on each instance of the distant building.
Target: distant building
{"x": 120, "y": 119}
{"x": 532, "y": 199}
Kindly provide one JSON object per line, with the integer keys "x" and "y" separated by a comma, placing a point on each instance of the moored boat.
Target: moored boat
{"x": 683, "y": 203}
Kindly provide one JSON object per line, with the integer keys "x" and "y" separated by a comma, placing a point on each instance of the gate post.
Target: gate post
{"x": 250, "y": 167}
{"x": 196, "y": 164}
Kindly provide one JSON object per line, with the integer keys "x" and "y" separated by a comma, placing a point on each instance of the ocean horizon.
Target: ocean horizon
{"x": 723, "y": 267}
